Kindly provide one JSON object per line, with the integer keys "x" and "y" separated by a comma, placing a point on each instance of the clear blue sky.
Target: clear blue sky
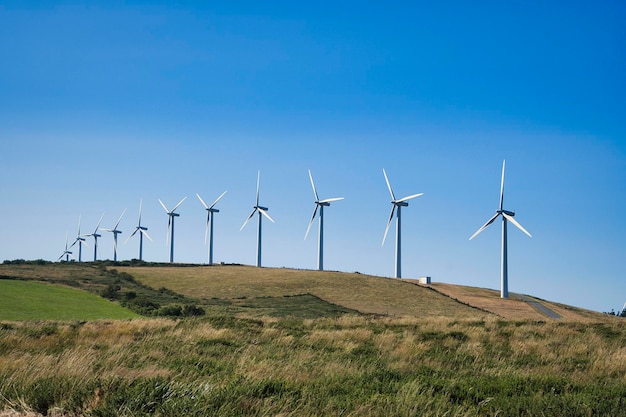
{"x": 107, "y": 103}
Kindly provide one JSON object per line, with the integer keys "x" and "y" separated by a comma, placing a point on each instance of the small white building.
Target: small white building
{"x": 424, "y": 280}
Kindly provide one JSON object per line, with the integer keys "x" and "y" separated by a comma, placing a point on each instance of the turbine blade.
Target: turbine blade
{"x": 258, "y": 184}
{"x": 410, "y": 197}
{"x": 169, "y": 229}
{"x": 313, "y": 185}
{"x": 79, "y": 224}
{"x": 393, "y": 209}
{"x": 178, "y": 205}
{"x": 393, "y": 198}
{"x": 263, "y": 212}
{"x": 132, "y": 234}
{"x": 502, "y": 186}
{"x": 311, "y": 222}
{"x": 140, "y": 203}
{"x": 206, "y": 229}
{"x": 143, "y": 232}
{"x": 72, "y": 245}
{"x": 119, "y": 220}
{"x": 99, "y": 221}
{"x": 218, "y": 199}
{"x": 163, "y": 205}
{"x": 202, "y": 201}
{"x": 484, "y": 226}
{"x": 330, "y": 200}
{"x": 248, "y": 219}
{"x": 519, "y": 226}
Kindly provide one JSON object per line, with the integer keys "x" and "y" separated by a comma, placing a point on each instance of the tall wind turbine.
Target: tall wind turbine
{"x": 261, "y": 211}
{"x": 210, "y": 210}
{"x": 143, "y": 231}
{"x": 81, "y": 241}
{"x": 319, "y": 204}
{"x": 95, "y": 238}
{"x": 170, "y": 224}
{"x": 115, "y": 233}
{"x": 507, "y": 216}
{"x": 396, "y": 207}
{"x": 67, "y": 253}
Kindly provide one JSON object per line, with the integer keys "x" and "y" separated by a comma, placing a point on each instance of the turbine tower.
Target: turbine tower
{"x": 507, "y": 216}
{"x": 67, "y": 253}
{"x": 170, "y": 224}
{"x": 95, "y": 238}
{"x": 208, "y": 232}
{"x": 396, "y": 206}
{"x": 115, "y": 233}
{"x": 81, "y": 241}
{"x": 261, "y": 211}
{"x": 143, "y": 231}
{"x": 319, "y": 204}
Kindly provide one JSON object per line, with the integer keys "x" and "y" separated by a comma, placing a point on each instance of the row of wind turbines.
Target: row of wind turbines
{"x": 261, "y": 211}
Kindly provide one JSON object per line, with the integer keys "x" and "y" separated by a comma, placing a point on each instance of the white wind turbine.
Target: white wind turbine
{"x": 115, "y": 233}
{"x": 208, "y": 232}
{"x": 261, "y": 211}
{"x": 143, "y": 231}
{"x": 81, "y": 241}
{"x": 67, "y": 253}
{"x": 507, "y": 216}
{"x": 319, "y": 204}
{"x": 396, "y": 207}
{"x": 95, "y": 238}
{"x": 170, "y": 224}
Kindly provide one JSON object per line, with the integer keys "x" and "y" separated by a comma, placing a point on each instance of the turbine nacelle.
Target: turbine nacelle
{"x": 510, "y": 213}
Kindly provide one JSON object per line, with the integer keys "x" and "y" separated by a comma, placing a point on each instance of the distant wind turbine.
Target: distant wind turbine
{"x": 95, "y": 238}
{"x": 67, "y": 253}
{"x": 397, "y": 204}
{"x": 81, "y": 241}
{"x": 261, "y": 211}
{"x": 319, "y": 204}
{"x": 115, "y": 233}
{"x": 143, "y": 231}
{"x": 170, "y": 224}
{"x": 506, "y": 216}
{"x": 208, "y": 232}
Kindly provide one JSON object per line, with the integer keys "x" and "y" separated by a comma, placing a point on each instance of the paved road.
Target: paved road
{"x": 545, "y": 310}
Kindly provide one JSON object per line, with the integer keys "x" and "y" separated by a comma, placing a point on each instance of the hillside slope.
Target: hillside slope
{"x": 367, "y": 294}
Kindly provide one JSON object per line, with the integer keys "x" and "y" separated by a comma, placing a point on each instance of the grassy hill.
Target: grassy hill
{"x": 306, "y": 343}
{"x": 27, "y": 300}
{"x": 363, "y": 293}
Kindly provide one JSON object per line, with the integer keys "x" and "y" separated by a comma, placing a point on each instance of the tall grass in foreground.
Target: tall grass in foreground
{"x": 351, "y": 366}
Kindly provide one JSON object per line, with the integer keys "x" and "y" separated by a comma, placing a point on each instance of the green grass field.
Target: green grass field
{"x": 27, "y": 300}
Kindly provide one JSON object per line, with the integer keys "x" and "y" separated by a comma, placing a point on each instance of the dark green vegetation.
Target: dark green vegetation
{"x": 303, "y": 355}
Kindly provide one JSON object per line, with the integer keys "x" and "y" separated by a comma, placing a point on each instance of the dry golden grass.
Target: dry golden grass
{"x": 513, "y": 308}
{"x": 363, "y": 293}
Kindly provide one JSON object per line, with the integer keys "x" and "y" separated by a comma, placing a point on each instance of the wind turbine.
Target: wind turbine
{"x": 507, "y": 216}
{"x": 142, "y": 232}
{"x": 67, "y": 253}
{"x": 170, "y": 224}
{"x": 81, "y": 241}
{"x": 95, "y": 238}
{"x": 115, "y": 233}
{"x": 319, "y": 204}
{"x": 209, "y": 223}
{"x": 261, "y": 211}
{"x": 397, "y": 204}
